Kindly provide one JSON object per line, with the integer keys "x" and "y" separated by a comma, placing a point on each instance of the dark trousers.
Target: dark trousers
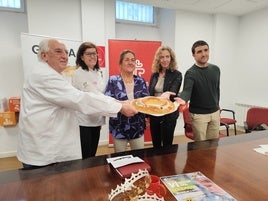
{"x": 162, "y": 131}
{"x": 31, "y": 167}
{"x": 89, "y": 137}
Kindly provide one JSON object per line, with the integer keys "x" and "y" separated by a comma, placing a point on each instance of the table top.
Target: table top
{"x": 229, "y": 162}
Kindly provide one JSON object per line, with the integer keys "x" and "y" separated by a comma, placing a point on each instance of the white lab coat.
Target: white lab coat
{"x": 49, "y": 130}
{"x": 90, "y": 80}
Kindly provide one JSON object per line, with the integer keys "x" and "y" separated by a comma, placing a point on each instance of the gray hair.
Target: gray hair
{"x": 43, "y": 47}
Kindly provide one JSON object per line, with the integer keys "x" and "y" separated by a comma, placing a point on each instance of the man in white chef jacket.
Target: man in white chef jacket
{"x": 49, "y": 132}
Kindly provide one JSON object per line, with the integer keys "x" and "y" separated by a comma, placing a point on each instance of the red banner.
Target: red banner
{"x": 144, "y": 51}
{"x": 101, "y": 56}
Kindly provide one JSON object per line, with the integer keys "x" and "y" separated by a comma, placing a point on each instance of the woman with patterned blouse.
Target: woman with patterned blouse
{"x": 125, "y": 87}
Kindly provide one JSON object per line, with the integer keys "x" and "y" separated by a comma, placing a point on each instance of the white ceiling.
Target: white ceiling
{"x": 232, "y": 7}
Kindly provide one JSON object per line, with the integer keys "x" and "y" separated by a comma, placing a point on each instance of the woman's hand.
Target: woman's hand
{"x": 128, "y": 110}
{"x": 167, "y": 94}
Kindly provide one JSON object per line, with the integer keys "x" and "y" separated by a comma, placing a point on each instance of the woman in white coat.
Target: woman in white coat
{"x": 88, "y": 77}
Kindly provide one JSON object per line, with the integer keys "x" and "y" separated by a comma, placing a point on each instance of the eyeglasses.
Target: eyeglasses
{"x": 91, "y": 54}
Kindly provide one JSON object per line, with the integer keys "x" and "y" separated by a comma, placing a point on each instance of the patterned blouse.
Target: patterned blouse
{"x": 123, "y": 127}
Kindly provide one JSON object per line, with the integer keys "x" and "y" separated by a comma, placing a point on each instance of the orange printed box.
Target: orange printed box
{"x": 14, "y": 104}
{"x": 8, "y": 118}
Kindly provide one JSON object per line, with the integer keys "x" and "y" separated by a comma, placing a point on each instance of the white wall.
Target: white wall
{"x": 237, "y": 45}
{"x": 61, "y": 18}
{"x": 11, "y": 72}
{"x": 167, "y": 25}
{"x": 252, "y": 70}
{"x": 137, "y": 32}
{"x": 224, "y": 55}
{"x": 191, "y": 27}
{"x": 10, "y": 58}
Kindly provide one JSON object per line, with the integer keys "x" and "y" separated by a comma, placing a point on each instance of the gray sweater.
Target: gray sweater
{"x": 202, "y": 88}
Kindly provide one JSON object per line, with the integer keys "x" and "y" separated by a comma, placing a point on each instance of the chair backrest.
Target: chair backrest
{"x": 187, "y": 123}
{"x": 186, "y": 116}
{"x": 255, "y": 116}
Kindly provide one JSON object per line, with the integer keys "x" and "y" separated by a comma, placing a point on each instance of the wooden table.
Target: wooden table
{"x": 230, "y": 162}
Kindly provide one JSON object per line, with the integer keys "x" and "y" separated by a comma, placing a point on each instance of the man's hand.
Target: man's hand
{"x": 128, "y": 110}
{"x": 167, "y": 94}
{"x": 180, "y": 101}
{"x": 182, "y": 104}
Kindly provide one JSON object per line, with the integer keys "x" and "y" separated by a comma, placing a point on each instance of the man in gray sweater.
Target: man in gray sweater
{"x": 202, "y": 89}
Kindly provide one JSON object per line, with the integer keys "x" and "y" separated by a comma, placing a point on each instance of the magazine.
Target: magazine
{"x": 195, "y": 187}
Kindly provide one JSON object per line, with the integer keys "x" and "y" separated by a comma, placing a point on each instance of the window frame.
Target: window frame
{"x": 20, "y": 10}
{"x": 125, "y": 21}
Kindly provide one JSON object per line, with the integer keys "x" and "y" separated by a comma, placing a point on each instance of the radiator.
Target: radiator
{"x": 241, "y": 112}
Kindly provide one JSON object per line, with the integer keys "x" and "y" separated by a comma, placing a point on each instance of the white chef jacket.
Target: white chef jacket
{"x": 93, "y": 81}
{"x": 49, "y": 130}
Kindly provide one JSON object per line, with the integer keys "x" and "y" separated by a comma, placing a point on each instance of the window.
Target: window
{"x": 12, "y": 5}
{"x": 135, "y": 13}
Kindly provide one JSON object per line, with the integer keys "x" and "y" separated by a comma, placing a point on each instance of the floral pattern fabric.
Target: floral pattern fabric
{"x": 123, "y": 127}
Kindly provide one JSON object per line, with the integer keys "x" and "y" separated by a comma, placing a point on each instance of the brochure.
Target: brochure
{"x": 263, "y": 149}
{"x": 195, "y": 187}
{"x": 126, "y": 165}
